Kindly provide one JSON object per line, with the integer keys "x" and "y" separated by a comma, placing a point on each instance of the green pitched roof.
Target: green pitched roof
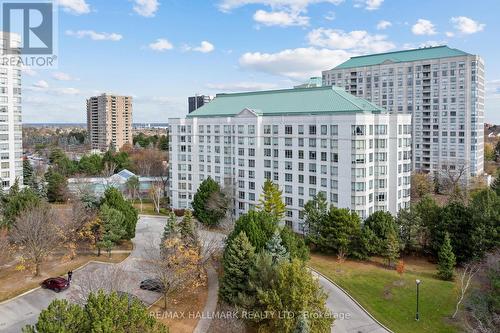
{"x": 402, "y": 56}
{"x": 286, "y": 102}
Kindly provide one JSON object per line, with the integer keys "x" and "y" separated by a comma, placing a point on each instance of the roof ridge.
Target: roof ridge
{"x": 271, "y": 91}
{"x": 401, "y": 51}
{"x": 336, "y": 91}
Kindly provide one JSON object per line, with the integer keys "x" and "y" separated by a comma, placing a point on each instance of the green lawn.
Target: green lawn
{"x": 148, "y": 208}
{"x": 391, "y": 300}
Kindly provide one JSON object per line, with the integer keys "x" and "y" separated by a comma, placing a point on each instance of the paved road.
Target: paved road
{"x": 23, "y": 310}
{"x": 350, "y": 318}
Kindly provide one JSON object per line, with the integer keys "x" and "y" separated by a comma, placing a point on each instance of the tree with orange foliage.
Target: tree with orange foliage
{"x": 400, "y": 268}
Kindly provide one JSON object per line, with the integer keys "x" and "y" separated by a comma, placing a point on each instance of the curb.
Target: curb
{"x": 352, "y": 298}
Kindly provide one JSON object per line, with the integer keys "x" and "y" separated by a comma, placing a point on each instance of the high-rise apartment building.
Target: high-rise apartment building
{"x": 441, "y": 87}
{"x": 196, "y": 102}
{"x": 11, "y": 137}
{"x": 109, "y": 121}
{"x": 307, "y": 140}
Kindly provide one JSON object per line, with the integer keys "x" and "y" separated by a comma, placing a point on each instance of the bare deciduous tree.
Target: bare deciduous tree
{"x": 453, "y": 182}
{"x": 466, "y": 274}
{"x": 36, "y": 234}
{"x": 176, "y": 266}
{"x": 156, "y": 193}
{"x": 109, "y": 278}
{"x": 4, "y": 247}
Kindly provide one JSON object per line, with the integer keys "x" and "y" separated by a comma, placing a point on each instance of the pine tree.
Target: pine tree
{"x": 446, "y": 259}
{"x": 114, "y": 227}
{"x": 276, "y": 249}
{"x": 187, "y": 228}
{"x": 27, "y": 172}
{"x": 170, "y": 227}
{"x": 270, "y": 200}
{"x": 238, "y": 260}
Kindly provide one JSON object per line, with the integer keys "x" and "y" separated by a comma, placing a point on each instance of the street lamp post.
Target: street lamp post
{"x": 417, "y": 315}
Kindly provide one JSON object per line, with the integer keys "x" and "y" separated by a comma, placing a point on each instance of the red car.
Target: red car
{"x": 57, "y": 284}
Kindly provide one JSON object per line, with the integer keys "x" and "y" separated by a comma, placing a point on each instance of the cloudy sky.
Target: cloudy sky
{"x": 162, "y": 51}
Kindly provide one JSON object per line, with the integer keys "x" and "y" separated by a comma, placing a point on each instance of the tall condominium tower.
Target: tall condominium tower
{"x": 443, "y": 89}
{"x": 11, "y": 144}
{"x": 307, "y": 140}
{"x": 196, "y": 102}
{"x": 109, "y": 121}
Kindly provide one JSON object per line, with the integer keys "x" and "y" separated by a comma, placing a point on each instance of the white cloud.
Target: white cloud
{"x": 359, "y": 41}
{"x": 467, "y": 25}
{"x": 204, "y": 47}
{"x": 95, "y": 35}
{"x": 66, "y": 91}
{"x": 241, "y": 86}
{"x": 298, "y": 64}
{"x": 373, "y": 4}
{"x": 42, "y": 84}
{"x": 423, "y": 27}
{"x": 280, "y": 18}
{"x": 61, "y": 76}
{"x": 449, "y": 34}
{"x": 161, "y": 45}
{"x": 146, "y": 8}
{"x": 382, "y": 25}
{"x": 293, "y": 5}
{"x": 74, "y": 6}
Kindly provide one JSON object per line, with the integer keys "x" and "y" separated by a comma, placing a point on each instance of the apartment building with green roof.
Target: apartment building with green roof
{"x": 441, "y": 87}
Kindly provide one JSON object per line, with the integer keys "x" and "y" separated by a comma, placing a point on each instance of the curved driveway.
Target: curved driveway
{"x": 349, "y": 316}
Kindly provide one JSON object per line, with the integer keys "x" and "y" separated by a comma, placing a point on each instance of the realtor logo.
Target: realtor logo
{"x": 34, "y": 22}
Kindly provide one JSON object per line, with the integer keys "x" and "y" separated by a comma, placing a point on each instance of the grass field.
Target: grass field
{"x": 391, "y": 299}
{"x": 148, "y": 209}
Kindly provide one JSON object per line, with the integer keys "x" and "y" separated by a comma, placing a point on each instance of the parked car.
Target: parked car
{"x": 57, "y": 284}
{"x": 152, "y": 284}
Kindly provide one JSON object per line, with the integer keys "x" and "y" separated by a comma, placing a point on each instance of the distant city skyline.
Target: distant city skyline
{"x": 153, "y": 51}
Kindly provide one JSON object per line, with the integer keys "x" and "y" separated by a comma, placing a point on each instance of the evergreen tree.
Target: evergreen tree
{"x": 57, "y": 187}
{"x": 294, "y": 291}
{"x": 276, "y": 249}
{"x": 294, "y": 244}
{"x": 259, "y": 227}
{"x": 102, "y": 313}
{"x": 170, "y": 227}
{"x": 27, "y": 172}
{"x": 60, "y": 316}
{"x": 446, "y": 259}
{"x": 315, "y": 212}
{"x": 238, "y": 258}
{"x": 382, "y": 224}
{"x": 205, "y": 210}
{"x": 114, "y": 228}
{"x": 114, "y": 199}
{"x": 15, "y": 202}
{"x": 187, "y": 228}
{"x": 270, "y": 200}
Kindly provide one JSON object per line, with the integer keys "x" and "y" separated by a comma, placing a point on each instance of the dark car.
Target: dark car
{"x": 152, "y": 284}
{"x": 57, "y": 284}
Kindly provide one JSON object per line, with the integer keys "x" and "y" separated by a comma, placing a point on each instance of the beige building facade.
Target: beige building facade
{"x": 109, "y": 121}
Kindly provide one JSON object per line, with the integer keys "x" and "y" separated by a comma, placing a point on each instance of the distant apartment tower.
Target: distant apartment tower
{"x": 443, "y": 89}
{"x": 11, "y": 145}
{"x": 306, "y": 140}
{"x": 196, "y": 102}
{"x": 109, "y": 121}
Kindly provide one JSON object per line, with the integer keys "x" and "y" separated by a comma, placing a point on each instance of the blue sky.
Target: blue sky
{"x": 162, "y": 51}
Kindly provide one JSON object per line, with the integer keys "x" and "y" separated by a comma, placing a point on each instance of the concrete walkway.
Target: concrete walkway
{"x": 211, "y": 303}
